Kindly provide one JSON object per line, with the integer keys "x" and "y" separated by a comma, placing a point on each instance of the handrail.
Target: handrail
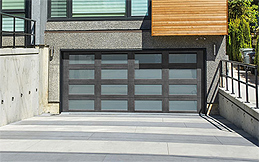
{"x": 29, "y": 30}
{"x": 246, "y": 83}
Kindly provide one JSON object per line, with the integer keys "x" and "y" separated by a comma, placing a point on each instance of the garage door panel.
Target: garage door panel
{"x": 182, "y": 97}
{"x": 112, "y": 81}
{"x": 142, "y": 81}
{"x": 81, "y": 67}
{"x": 149, "y": 82}
{"x": 81, "y": 97}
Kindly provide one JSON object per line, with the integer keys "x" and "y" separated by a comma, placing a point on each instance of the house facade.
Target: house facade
{"x": 131, "y": 55}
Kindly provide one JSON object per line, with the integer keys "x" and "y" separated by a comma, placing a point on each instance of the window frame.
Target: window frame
{"x": 69, "y": 16}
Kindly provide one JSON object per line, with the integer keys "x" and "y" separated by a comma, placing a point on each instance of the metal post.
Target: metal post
{"x": 239, "y": 88}
{"x": 247, "y": 99}
{"x": 34, "y": 34}
{"x": 221, "y": 76}
{"x": 1, "y": 31}
{"x": 232, "y": 78}
{"x": 226, "y": 76}
{"x": 256, "y": 87}
{"x": 13, "y": 32}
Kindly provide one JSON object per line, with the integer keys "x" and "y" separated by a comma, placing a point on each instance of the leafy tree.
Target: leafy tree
{"x": 241, "y": 15}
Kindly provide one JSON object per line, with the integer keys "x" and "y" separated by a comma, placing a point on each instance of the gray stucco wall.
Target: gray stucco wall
{"x": 123, "y": 35}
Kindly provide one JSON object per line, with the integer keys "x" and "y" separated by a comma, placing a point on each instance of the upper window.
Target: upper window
{"x": 16, "y": 8}
{"x": 98, "y": 8}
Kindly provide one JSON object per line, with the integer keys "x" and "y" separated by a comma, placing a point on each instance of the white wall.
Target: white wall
{"x": 22, "y": 83}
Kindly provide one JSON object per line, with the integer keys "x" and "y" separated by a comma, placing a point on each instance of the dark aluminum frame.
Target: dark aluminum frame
{"x": 107, "y": 18}
{"x": 165, "y": 81}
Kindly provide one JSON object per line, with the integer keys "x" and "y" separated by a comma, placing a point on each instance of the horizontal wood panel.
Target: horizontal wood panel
{"x": 189, "y": 17}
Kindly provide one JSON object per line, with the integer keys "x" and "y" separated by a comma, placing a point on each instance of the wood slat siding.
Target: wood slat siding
{"x": 189, "y": 17}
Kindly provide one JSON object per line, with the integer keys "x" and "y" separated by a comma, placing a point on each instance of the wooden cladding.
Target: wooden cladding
{"x": 189, "y": 17}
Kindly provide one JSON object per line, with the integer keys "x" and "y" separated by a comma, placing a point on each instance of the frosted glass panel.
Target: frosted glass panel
{"x": 139, "y": 7}
{"x": 81, "y": 74}
{"x": 98, "y": 8}
{"x": 148, "y": 58}
{"x": 81, "y": 104}
{"x": 182, "y": 105}
{"x": 182, "y": 74}
{"x": 81, "y": 89}
{"x": 148, "y": 74}
{"x": 114, "y": 74}
{"x": 148, "y": 89}
{"x": 182, "y": 58}
{"x": 141, "y": 105}
{"x": 183, "y": 89}
{"x": 81, "y": 59}
{"x": 114, "y": 89}
{"x": 115, "y": 105}
{"x": 114, "y": 59}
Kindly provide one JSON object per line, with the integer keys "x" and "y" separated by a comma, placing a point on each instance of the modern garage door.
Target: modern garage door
{"x": 133, "y": 81}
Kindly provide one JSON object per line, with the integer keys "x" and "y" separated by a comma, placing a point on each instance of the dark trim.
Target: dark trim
{"x": 83, "y": 51}
{"x": 71, "y": 18}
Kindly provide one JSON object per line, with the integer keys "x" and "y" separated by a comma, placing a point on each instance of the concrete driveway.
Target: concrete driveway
{"x": 125, "y": 137}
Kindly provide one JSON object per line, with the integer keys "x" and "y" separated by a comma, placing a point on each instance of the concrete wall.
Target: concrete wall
{"x": 239, "y": 113}
{"x": 23, "y": 83}
{"x": 124, "y": 35}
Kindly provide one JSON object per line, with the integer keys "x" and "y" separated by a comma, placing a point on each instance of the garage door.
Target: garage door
{"x": 132, "y": 81}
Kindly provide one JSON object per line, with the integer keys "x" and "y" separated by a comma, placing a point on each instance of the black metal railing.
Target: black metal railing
{"x": 224, "y": 71}
{"x": 29, "y": 32}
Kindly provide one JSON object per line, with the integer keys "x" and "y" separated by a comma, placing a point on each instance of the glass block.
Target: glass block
{"x": 148, "y": 89}
{"x": 182, "y": 74}
{"x": 81, "y": 59}
{"x": 81, "y": 74}
{"x": 182, "y": 105}
{"x": 114, "y": 59}
{"x": 148, "y": 58}
{"x": 114, "y": 90}
{"x": 81, "y": 89}
{"x": 81, "y": 104}
{"x": 183, "y": 89}
{"x": 119, "y": 105}
{"x": 114, "y": 74}
{"x": 148, "y": 74}
{"x": 182, "y": 58}
{"x": 141, "y": 105}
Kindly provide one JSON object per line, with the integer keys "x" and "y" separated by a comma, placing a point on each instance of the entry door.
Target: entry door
{"x": 133, "y": 81}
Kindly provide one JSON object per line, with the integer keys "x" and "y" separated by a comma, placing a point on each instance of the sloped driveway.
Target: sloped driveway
{"x": 125, "y": 137}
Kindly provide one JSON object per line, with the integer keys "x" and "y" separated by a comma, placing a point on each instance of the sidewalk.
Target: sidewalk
{"x": 125, "y": 137}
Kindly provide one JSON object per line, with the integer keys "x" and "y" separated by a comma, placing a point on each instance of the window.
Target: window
{"x": 16, "y": 8}
{"x": 98, "y": 8}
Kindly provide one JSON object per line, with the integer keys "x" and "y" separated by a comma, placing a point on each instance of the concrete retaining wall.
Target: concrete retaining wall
{"x": 23, "y": 83}
{"x": 239, "y": 113}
